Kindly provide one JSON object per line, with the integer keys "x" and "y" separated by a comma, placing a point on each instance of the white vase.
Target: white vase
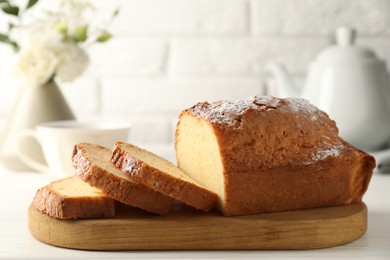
{"x": 34, "y": 105}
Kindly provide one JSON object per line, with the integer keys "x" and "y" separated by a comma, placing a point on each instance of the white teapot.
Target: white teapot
{"x": 352, "y": 85}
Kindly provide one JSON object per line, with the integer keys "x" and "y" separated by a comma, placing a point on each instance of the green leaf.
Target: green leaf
{"x": 11, "y": 26}
{"x": 116, "y": 12}
{"x": 31, "y": 3}
{"x": 3, "y": 1}
{"x": 5, "y": 39}
{"x": 10, "y": 9}
{"x": 80, "y": 34}
{"x": 105, "y": 36}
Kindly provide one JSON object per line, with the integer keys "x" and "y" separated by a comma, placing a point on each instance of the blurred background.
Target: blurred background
{"x": 166, "y": 55}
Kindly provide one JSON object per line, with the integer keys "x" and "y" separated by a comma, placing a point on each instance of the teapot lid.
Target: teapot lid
{"x": 345, "y": 48}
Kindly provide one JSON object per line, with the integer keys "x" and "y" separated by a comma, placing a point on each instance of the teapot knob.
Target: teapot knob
{"x": 345, "y": 36}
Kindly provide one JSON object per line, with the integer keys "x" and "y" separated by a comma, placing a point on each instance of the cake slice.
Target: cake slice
{"x": 266, "y": 154}
{"x": 93, "y": 165}
{"x": 162, "y": 176}
{"x": 71, "y": 198}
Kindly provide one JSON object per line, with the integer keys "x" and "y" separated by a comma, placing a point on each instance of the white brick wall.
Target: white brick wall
{"x": 169, "y": 54}
{"x": 319, "y": 17}
{"x": 188, "y": 17}
{"x": 168, "y": 96}
{"x": 128, "y": 57}
{"x": 241, "y": 55}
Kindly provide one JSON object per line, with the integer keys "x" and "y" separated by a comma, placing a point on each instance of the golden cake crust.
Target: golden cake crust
{"x": 161, "y": 180}
{"x": 57, "y": 204}
{"x": 116, "y": 185}
{"x": 281, "y": 154}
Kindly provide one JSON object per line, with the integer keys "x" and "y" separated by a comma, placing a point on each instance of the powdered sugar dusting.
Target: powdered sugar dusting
{"x": 311, "y": 130}
{"x": 79, "y": 161}
{"x": 130, "y": 164}
{"x": 125, "y": 162}
{"x": 323, "y": 154}
{"x": 303, "y": 106}
{"x": 230, "y": 112}
{"x": 332, "y": 150}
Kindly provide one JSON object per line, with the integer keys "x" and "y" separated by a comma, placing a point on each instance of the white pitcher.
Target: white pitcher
{"x": 352, "y": 85}
{"x": 34, "y": 105}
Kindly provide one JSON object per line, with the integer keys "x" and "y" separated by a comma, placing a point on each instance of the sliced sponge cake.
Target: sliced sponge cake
{"x": 71, "y": 198}
{"x": 162, "y": 176}
{"x": 92, "y": 163}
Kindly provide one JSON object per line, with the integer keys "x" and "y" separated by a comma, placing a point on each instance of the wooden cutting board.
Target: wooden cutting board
{"x": 185, "y": 228}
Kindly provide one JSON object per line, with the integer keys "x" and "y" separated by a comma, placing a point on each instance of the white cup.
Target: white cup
{"x": 58, "y": 138}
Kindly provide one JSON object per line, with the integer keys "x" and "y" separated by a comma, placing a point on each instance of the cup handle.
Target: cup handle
{"x": 24, "y": 156}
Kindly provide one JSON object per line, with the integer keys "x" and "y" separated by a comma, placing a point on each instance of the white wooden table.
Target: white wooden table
{"x": 18, "y": 188}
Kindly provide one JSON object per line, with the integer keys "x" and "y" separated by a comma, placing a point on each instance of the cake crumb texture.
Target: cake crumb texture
{"x": 265, "y": 154}
{"x": 71, "y": 198}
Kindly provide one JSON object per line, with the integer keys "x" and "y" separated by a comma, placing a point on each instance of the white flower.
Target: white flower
{"x": 72, "y": 62}
{"x": 45, "y": 52}
{"x": 52, "y": 44}
{"x": 37, "y": 34}
{"x": 36, "y": 65}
